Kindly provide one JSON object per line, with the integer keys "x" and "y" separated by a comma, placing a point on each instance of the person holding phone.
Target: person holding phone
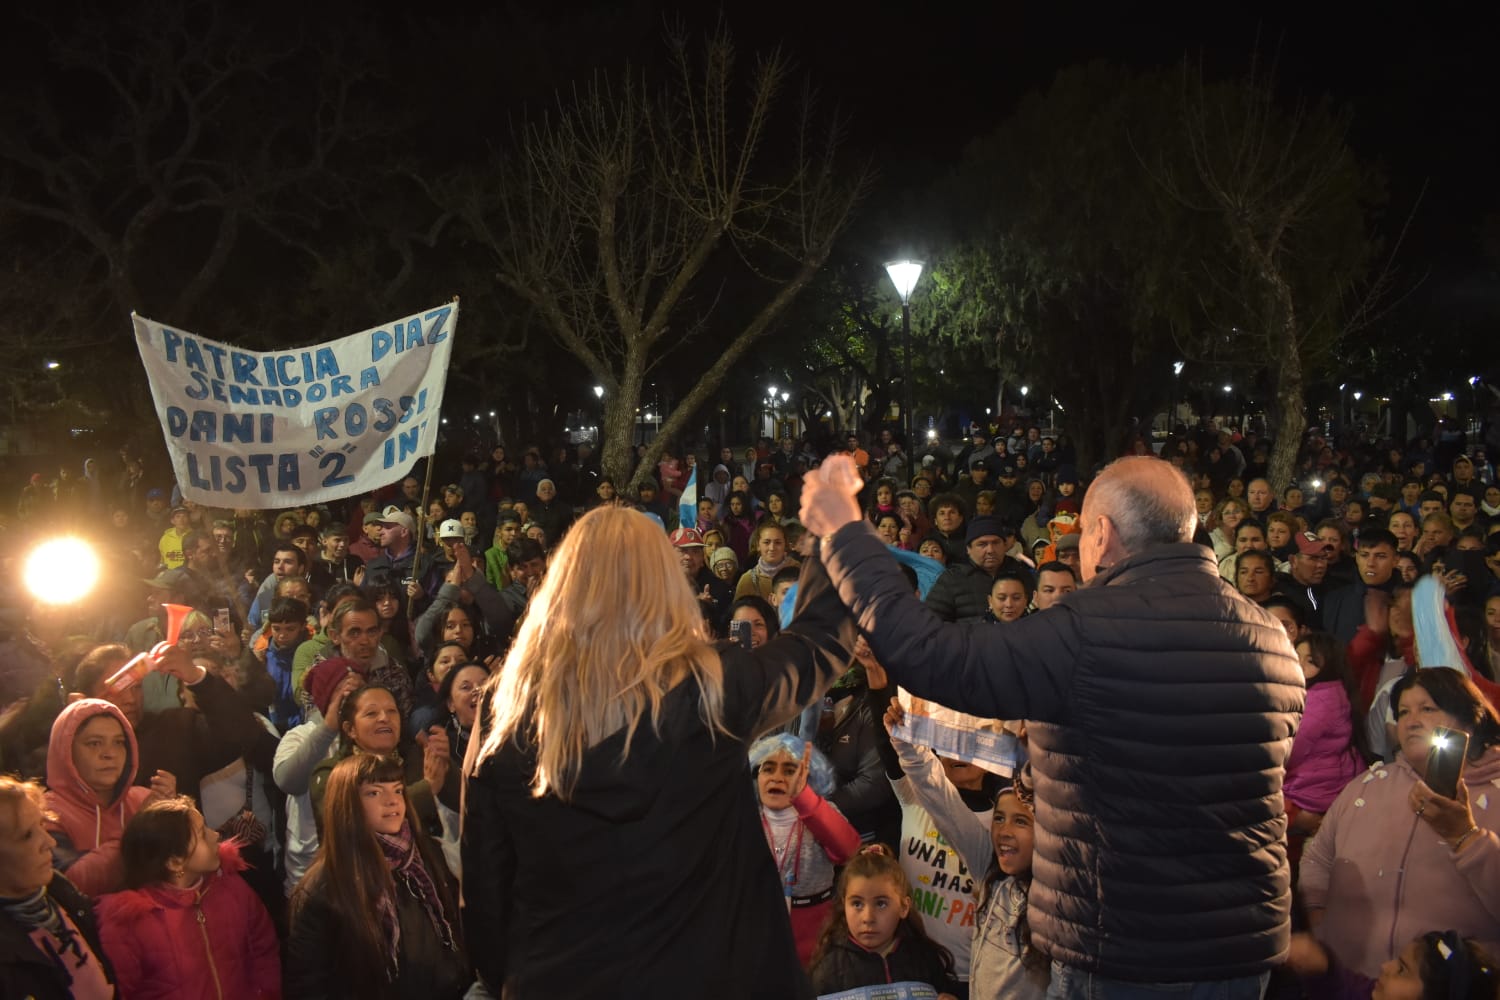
{"x": 1394, "y": 857}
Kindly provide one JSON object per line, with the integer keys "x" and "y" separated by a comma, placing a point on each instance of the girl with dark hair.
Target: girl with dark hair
{"x": 376, "y": 915}
{"x": 388, "y": 599}
{"x": 369, "y": 722}
{"x": 740, "y": 519}
{"x": 186, "y": 924}
{"x": 946, "y": 796}
{"x": 873, "y": 937}
{"x": 1435, "y": 966}
{"x": 1330, "y": 747}
{"x": 1393, "y": 857}
{"x": 762, "y": 618}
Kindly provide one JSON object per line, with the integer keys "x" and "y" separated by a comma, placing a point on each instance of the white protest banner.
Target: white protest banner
{"x": 271, "y": 429}
{"x": 985, "y": 743}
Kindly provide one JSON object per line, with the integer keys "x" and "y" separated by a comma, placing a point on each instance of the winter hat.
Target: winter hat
{"x": 724, "y": 554}
{"x": 324, "y": 678}
{"x": 1067, "y": 474}
{"x": 979, "y": 527}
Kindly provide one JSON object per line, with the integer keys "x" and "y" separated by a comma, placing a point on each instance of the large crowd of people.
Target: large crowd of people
{"x": 525, "y": 730}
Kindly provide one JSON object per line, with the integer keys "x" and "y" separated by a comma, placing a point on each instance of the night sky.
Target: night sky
{"x": 918, "y": 83}
{"x": 1423, "y": 90}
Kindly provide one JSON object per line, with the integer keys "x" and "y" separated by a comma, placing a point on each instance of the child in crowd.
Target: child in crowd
{"x": 286, "y": 629}
{"x": 1001, "y": 962}
{"x": 187, "y": 924}
{"x": 377, "y": 914}
{"x": 1435, "y": 966}
{"x": 873, "y": 937}
{"x": 806, "y": 833}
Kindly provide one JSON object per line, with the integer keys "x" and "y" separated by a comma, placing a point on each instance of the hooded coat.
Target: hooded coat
{"x": 88, "y": 831}
{"x": 213, "y": 940}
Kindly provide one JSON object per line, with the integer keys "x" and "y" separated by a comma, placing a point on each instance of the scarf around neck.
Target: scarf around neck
{"x": 40, "y": 912}
{"x": 409, "y": 873}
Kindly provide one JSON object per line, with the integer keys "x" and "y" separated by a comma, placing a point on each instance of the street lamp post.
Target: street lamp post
{"x": 904, "y": 275}
{"x": 1177, "y": 367}
{"x": 1474, "y": 422}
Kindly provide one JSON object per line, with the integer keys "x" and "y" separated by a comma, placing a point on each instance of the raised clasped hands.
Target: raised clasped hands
{"x": 830, "y": 496}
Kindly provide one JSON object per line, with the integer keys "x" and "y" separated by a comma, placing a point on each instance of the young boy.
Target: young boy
{"x": 170, "y": 545}
{"x": 286, "y": 629}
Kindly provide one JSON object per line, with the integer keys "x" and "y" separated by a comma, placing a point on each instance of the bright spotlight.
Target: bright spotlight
{"x": 62, "y": 571}
{"x": 1440, "y": 741}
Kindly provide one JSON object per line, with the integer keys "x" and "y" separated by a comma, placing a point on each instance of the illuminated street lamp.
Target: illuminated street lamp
{"x": 1177, "y": 367}
{"x": 904, "y": 275}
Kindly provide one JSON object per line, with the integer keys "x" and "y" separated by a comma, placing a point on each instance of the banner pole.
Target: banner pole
{"x": 421, "y": 519}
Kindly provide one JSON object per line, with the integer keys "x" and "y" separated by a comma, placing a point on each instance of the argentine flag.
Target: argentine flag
{"x": 687, "y": 506}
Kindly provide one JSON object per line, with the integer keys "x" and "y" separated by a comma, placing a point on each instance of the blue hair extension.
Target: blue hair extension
{"x": 820, "y": 776}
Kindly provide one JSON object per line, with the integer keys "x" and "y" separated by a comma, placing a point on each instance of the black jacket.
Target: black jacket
{"x": 847, "y": 966}
{"x": 427, "y": 969}
{"x": 1161, "y": 707}
{"x": 863, "y": 795}
{"x": 655, "y": 880}
{"x": 25, "y": 971}
{"x": 962, "y": 592}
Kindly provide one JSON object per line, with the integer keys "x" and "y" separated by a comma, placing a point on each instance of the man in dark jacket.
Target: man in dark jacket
{"x": 962, "y": 593}
{"x": 1160, "y": 708}
{"x": 1344, "y": 611}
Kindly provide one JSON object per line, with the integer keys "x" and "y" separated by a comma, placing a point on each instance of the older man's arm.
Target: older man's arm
{"x": 1020, "y": 670}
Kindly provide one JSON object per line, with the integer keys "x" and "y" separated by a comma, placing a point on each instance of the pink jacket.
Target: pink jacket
{"x": 1322, "y": 761}
{"x": 1382, "y": 876}
{"x": 88, "y": 831}
{"x": 214, "y": 940}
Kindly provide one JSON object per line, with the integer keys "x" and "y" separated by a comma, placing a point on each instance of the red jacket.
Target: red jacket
{"x": 214, "y": 940}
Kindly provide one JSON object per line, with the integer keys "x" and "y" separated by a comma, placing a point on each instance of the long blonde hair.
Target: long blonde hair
{"x": 612, "y": 629}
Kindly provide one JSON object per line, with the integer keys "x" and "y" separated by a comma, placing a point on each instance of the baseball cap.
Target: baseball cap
{"x": 155, "y": 495}
{"x": 450, "y": 528}
{"x": 1068, "y": 541}
{"x": 394, "y": 515}
{"x": 687, "y": 538}
{"x": 1309, "y": 544}
{"x": 1007, "y": 471}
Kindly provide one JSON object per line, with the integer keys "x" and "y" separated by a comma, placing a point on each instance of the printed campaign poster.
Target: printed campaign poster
{"x": 885, "y": 991}
{"x": 982, "y": 742}
{"x": 263, "y": 430}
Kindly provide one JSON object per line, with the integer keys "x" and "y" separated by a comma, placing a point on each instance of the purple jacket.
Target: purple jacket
{"x": 1322, "y": 760}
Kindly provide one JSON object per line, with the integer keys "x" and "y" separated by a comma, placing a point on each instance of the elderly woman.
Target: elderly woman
{"x": 1393, "y": 859}
{"x": 613, "y": 749}
{"x": 49, "y": 941}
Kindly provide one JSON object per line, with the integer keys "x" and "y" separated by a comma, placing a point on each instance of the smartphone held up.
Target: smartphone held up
{"x": 1445, "y": 760}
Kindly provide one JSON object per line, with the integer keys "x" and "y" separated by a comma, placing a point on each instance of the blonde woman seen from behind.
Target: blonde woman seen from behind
{"x": 610, "y": 770}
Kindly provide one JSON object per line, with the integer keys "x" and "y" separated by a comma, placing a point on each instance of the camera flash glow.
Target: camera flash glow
{"x": 61, "y": 571}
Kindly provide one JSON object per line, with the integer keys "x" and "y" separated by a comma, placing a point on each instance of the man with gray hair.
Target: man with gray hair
{"x": 554, "y": 515}
{"x": 1160, "y": 708}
